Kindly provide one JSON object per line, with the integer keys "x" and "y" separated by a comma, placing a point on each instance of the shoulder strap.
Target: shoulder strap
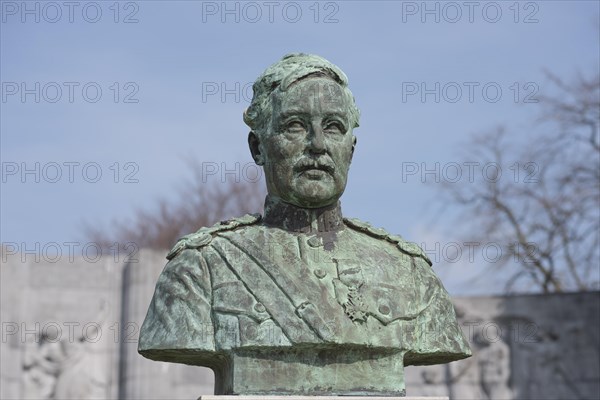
{"x": 204, "y": 235}
{"x": 410, "y": 248}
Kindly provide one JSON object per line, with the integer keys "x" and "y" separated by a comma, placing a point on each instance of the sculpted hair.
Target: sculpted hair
{"x": 281, "y": 75}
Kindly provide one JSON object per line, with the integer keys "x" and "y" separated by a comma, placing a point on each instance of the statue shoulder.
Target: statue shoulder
{"x": 406, "y": 247}
{"x": 204, "y": 235}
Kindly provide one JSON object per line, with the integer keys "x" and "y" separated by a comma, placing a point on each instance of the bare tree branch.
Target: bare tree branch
{"x": 198, "y": 203}
{"x": 558, "y": 210}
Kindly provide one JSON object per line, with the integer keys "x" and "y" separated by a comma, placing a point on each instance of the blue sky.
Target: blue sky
{"x": 169, "y": 54}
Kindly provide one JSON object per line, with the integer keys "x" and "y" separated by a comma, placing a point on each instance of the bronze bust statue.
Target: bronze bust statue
{"x": 301, "y": 300}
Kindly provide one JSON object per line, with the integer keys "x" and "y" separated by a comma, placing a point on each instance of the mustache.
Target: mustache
{"x": 324, "y": 164}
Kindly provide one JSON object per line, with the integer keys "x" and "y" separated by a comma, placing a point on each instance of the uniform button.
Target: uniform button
{"x": 315, "y": 241}
{"x": 258, "y": 307}
{"x": 320, "y": 273}
{"x": 385, "y": 310}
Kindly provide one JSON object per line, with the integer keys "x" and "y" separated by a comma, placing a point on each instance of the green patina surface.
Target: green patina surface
{"x": 301, "y": 300}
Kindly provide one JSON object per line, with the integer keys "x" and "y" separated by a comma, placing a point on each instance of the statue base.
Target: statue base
{"x": 312, "y": 372}
{"x": 227, "y": 397}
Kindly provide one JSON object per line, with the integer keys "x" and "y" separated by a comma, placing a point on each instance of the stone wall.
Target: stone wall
{"x": 525, "y": 347}
{"x": 59, "y": 326}
{"x": 70, "y": 327}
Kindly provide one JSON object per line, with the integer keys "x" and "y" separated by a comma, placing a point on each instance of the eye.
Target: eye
{"x": 295, "y": 127}
{"x": 334, "y": 127}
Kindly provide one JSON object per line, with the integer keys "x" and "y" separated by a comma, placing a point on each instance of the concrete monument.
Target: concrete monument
{"x": 301, "y": 300}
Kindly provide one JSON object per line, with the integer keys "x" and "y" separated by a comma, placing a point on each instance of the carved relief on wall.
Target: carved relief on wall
{"x": 60, "y": 366}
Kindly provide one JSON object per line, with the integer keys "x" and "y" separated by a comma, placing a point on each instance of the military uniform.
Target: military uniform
{"x": 244, "y": 295}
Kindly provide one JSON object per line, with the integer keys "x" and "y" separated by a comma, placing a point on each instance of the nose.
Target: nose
{"x": 316, "y": 140}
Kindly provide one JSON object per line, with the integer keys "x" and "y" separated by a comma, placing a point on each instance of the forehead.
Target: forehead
{"x": 314, "y": 94}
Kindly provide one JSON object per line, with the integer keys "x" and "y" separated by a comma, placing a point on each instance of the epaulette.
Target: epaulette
{"x": 409, "y": 248}
{"x": 204, "y": 235}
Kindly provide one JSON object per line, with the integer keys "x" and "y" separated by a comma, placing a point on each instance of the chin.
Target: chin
{"x": 310, "y": 193}
{"x": 313, "y": 200}
{"x": 318, "y": 204}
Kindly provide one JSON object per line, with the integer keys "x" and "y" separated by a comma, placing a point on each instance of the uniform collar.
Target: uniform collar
{"x": 306, "y": 220}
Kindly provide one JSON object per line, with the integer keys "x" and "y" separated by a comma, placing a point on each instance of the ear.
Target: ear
{"x": 353, "y": 146}
{"x": 254, "y": 144}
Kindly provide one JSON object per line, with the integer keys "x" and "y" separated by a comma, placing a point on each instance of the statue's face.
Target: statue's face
{"x": 308, "y": 146}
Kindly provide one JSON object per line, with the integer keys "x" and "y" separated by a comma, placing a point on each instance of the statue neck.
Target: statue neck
{"x": 306, "y": 220}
